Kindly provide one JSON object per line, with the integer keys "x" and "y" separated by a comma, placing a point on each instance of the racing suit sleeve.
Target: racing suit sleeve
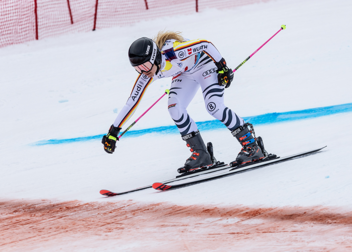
{"x": 133, "y": 101}
{"x": 186, "y": 49}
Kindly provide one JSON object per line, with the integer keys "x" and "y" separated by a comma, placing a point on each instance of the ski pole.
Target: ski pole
{"x": 283, "y": 27}
{"x": 166, "y": 92}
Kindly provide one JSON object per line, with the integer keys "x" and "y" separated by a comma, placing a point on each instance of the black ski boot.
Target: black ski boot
{"x": 200, "y": 157}
{"x": 253, "y": 148}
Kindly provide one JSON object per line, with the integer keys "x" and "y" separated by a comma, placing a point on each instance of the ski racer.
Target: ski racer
{"x": 191, "y": 64}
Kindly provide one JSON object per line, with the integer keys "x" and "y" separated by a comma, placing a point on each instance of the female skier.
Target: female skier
{"x": 190, "y": 63}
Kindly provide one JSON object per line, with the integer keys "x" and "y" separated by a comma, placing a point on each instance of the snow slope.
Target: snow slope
{"x": 73, "y": 86}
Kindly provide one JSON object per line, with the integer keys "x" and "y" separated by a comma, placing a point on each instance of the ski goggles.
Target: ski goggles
{"x": 147, "y": 66}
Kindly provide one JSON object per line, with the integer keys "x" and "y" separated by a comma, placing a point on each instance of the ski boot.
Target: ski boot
{"x": 202, "y": 157}
{"x": 253, "y": 148}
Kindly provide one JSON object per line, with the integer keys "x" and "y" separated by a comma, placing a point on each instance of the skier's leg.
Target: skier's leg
{"x": 213, "y": 95}
{"x": 181, "y": 93}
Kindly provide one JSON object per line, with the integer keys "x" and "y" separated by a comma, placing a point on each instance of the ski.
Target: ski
{"x": 233, "y": 170}
{"x": 220, "y": 166}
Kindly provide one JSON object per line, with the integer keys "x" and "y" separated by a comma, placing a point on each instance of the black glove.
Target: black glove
{"x": 225, "y": 74}
{"x": 110, "y": 139}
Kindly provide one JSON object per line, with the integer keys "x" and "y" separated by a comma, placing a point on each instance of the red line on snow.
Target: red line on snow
{"x": 30, "y": 225}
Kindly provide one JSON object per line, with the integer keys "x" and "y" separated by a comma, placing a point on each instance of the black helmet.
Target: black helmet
{"x": 143, "y": 50}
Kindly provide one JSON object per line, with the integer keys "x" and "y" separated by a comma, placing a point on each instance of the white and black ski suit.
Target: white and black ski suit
{"x": 190, "y": 64}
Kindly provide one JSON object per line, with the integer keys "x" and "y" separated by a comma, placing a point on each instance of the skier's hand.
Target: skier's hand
{"x": 109, "y": 140}
{"x": 225, "y": 74}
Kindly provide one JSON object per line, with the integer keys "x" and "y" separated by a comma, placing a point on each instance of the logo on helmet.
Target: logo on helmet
{"x": 148, "y": 49}
{"x": 152, "y": 59}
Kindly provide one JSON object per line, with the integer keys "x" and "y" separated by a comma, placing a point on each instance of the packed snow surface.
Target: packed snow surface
{"x": 74, "y": 86}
